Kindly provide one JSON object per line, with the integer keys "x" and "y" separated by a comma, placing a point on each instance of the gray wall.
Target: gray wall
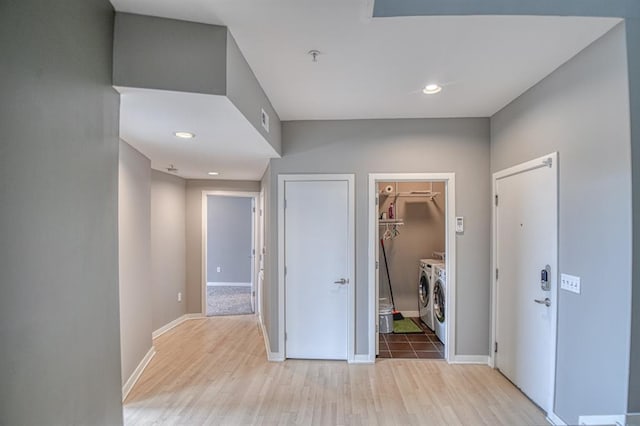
{"x": 195, "y": 277}
{"x": 60, "y": 352}
{"x": 412, "y": 145}
{"x": 423, "y": 233}
{"x": 168, "y": 247}
{"x": 160, "y": 53}
{"x": 244, "y": 90}
{"x": 633, "y": 60}
{"x": 134, "y": 249}
{"x": 582, "y": 111}
{"x": 229, "y": 226}
{"x": 388, "y": 8}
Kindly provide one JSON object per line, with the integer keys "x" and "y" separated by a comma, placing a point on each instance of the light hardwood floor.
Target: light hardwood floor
{"x": 214, "y": 371}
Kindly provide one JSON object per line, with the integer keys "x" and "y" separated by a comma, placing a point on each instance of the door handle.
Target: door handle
{"x": 342, "y": 281}
{"x": 546, "y": 302}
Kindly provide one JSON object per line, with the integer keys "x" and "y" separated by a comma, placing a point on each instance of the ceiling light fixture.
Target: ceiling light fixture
{"x": 213, "y": 173}
{"x": 431, "y": 89}
{"x": 184, "y": 135}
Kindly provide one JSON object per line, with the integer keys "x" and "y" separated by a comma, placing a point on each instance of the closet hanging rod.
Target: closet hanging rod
{"x": 414, "y": 194}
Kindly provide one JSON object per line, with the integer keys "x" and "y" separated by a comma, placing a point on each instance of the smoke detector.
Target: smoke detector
{"x": 314, "y": 54}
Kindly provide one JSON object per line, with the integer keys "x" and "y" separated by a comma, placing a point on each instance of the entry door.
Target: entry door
{"x": 318, "y": 249}
{"x": 527, "y": 235}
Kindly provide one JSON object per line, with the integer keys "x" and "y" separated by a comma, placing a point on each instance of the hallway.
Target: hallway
{"x": 215, "y": 371}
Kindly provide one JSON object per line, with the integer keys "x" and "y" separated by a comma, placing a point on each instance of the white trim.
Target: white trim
{"x": 350, "y": 178}
{"x": 221, "y": 284}
{"x": 176, "y": 322}
{"x": 362, "y": 359}
{"x": 470, "y": 359}
{"x": 194, "y": 316}
{"x": 271, "y": 356}
{"x": 203, "y": 261}
{"x": 520, "y": 168}
{"x": 553, "y": 419}
{"x": 450, "y": 249}
{"x": 260, "y": 246}
{"x": 126, "y": 388}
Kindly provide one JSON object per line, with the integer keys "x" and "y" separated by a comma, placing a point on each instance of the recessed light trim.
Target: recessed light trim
{"x": 213, "y": 173}
{"x": 432, "y": 89}
{"x": 184, "y": 135}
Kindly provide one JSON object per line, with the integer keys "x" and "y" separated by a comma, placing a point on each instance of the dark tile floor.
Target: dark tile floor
{"x": 415, "y": 345}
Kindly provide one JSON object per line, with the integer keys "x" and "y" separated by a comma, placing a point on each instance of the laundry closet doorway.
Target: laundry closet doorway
{"x": 411, "y": 229}
{"x": 230, "y": 237}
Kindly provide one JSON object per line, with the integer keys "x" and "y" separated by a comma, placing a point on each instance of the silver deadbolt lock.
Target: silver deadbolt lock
{"x": 545, "y": 278}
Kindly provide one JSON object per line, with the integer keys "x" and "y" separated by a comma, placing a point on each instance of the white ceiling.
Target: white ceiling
{"x": 225, "y": 141}
{"x": 368, "y": 68}
{"x": 375, "y": 68}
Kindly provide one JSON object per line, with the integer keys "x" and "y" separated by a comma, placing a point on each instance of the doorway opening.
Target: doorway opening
{"x": 230, "y": 237}
{"x": 412, "y": 265}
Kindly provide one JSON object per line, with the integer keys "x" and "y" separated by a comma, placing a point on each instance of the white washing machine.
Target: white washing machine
{"x": 439, "y": 304}
{"x": 425, "y": 290}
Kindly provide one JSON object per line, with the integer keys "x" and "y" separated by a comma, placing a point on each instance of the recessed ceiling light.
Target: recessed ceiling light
{"x": 184, "y": 135}
{"x": 431, "y": 89}
{"x": 213, "y": 173}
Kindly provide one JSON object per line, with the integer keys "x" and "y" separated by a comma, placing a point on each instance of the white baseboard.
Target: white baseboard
{"x": 553, "y": 419}
{"x": 470, "y": 359}
{"x": 410, "y": 314}
{"x": 126, "y": 388}
{"x": 217, "y": 284}
{"x": 176, "y": 322}
{"x": 362, "y": 359}
{"x": 167, "y": 327}
{"x": 271, "y": 356}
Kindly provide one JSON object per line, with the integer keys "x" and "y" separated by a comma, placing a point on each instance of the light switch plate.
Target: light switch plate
{"x": 459, "y": 224}
{"x": 570, "y": 283}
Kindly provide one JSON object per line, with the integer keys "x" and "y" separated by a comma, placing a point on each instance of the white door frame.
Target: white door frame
{"x": 254, "y": 240}
{"x": 520, "y": 168}
{"x": 282, "y": 179}
{"x": 450, "y": 241}
{"x": 260, "y": 256}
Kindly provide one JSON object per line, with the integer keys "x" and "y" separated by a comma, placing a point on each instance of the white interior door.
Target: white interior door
{"x": 527, "y": 235}
{"x": 317, "y": 268}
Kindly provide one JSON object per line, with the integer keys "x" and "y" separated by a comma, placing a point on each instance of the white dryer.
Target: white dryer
{"x": 425, "y": 290}
{"x": 439, "y": 302}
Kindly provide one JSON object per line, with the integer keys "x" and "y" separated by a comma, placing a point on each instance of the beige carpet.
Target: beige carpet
{"x": 228, "y": 300}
